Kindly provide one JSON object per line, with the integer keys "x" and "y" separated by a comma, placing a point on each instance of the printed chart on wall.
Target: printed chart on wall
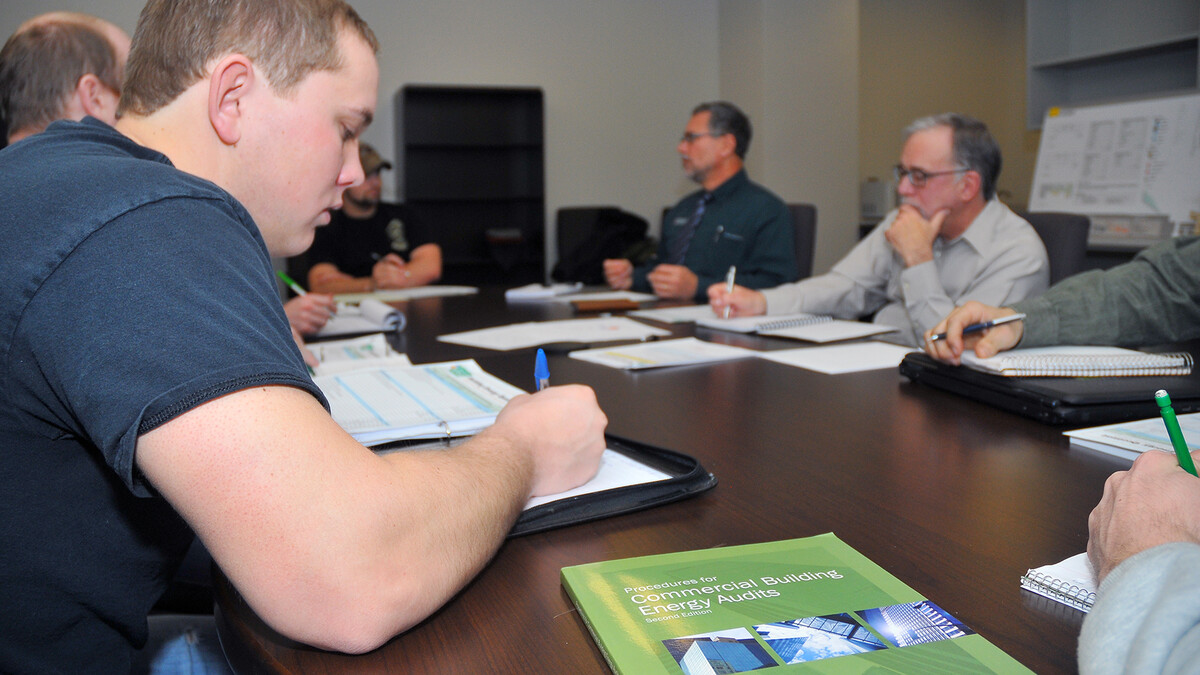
{"x": 1136, "y": 165}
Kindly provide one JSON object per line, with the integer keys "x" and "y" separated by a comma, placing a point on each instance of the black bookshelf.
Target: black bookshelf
{"x": 471, "y": 164}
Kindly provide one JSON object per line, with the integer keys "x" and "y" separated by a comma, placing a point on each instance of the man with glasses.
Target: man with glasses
{"x": 731, "y": 222}
{"x": 950, "y": 241}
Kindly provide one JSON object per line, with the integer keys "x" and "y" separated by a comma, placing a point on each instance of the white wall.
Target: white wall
{"x": 619, "y": 79}
{"x": 621, "y": 76}
{"x": 793, "y": 67}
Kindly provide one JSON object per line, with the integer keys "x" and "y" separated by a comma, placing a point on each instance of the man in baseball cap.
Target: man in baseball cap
{"x": 370, "y": 244}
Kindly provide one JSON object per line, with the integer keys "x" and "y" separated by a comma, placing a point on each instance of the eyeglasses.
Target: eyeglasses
{"x": 689, "y": 137}
{"x": 918, "y": 177}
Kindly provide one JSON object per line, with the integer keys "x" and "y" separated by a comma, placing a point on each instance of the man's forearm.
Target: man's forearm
{"x": 330, "y": 543}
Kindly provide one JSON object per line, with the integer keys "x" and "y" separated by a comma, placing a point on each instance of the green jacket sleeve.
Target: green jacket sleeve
{"x": 1152, "y": 299}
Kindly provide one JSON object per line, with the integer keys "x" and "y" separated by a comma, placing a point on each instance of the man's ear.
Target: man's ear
{"x": 93, "y": 96}
{"x": 969, "y": 185}
{"x": 727, "y": 144}
{"x": 231, "y": 80}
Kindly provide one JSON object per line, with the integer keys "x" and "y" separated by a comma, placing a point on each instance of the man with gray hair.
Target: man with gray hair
{"x": 950, "y": 241}
{"x": 730, "y": 222}
{"x": 60, "y": 65}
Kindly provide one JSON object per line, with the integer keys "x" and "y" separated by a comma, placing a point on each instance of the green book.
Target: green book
{"x": 812, "y": 605}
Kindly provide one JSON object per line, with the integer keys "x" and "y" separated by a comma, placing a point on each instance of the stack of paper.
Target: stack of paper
{"x": 540, "y": 291}
{"x": 685, "y": 351}
{"x": 684, "y": 314}
{"x": 1127, "y": 440}
{"x": 838, "y": 359}
{"x": 402, "y": 294}
{"x": 534, "y": 333}
{"x": 807, "y": 327}
{"x": 601, "y": 296}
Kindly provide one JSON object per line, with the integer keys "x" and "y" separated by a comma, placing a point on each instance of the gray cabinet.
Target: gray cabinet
{"x": 1091, "y": 51}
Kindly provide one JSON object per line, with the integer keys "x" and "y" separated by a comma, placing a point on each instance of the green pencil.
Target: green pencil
{"x": 1173, "y": 430}
{"x": 291, "y": 283}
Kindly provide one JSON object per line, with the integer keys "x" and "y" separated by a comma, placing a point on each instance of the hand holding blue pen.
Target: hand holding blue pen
{"x": 541, "y": 371}
{"x": 977, "y": 327}
{"x": 1177, "y": 441}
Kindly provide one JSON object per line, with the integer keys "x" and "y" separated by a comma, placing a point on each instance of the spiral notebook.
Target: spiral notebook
{"x": 1079, "y": 361}
{"x": 1080, "y": 401}
{"x": 1071, "y": 582}
{"x": 807, "y": 327}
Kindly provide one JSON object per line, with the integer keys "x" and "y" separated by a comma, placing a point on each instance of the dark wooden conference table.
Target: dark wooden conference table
{"x": 953, "y": 497}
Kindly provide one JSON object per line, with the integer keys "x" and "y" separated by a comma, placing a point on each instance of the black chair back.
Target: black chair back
{"x": 804, "y": 223}
{"x": 1065, "y": 236}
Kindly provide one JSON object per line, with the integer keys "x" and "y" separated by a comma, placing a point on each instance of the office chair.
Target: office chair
{"x": 804, "y": 224}
{"x": 1065, "y": 236}
{"x": 586, "y": 235}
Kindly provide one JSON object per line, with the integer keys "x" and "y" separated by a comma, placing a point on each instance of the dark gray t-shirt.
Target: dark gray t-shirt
{"x": 132, "y": 292}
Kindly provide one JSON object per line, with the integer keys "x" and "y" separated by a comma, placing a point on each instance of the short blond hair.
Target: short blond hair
{"x": 176, "y": 41}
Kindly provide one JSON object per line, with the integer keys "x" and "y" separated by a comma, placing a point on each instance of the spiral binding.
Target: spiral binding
{"x": 792, "y": 323}
{"x": 1063, "y": 591}
{"x": 1092, "y": 366}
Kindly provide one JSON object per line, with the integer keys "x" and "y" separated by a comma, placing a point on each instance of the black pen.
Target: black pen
{"x": 976, "y": 327}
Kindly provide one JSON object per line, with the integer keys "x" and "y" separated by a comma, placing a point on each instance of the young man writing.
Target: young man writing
{"x": 150, "y": 388}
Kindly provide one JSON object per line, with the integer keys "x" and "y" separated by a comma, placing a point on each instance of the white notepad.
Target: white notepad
{"x": 829, "y": 331}
{"x": 754, "y": 324}
{"x": 1079, "y": 361}
{"x": 1071, "y": 582}
{"x": 838, "y": 359}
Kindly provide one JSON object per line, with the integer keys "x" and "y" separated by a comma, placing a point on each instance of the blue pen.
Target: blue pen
{"x": 541, "y": 371}
{"x": 976, "y": 327}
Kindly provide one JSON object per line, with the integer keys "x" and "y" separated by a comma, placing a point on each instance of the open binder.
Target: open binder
{"x": 1058, "y": 400}
{"x": 686, "y": 478}
{"x": 683, "y": 477}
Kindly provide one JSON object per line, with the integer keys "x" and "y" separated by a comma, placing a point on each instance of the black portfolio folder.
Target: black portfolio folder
{"x": 687, "y": 478}
{"x": 1081, "y": 401}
